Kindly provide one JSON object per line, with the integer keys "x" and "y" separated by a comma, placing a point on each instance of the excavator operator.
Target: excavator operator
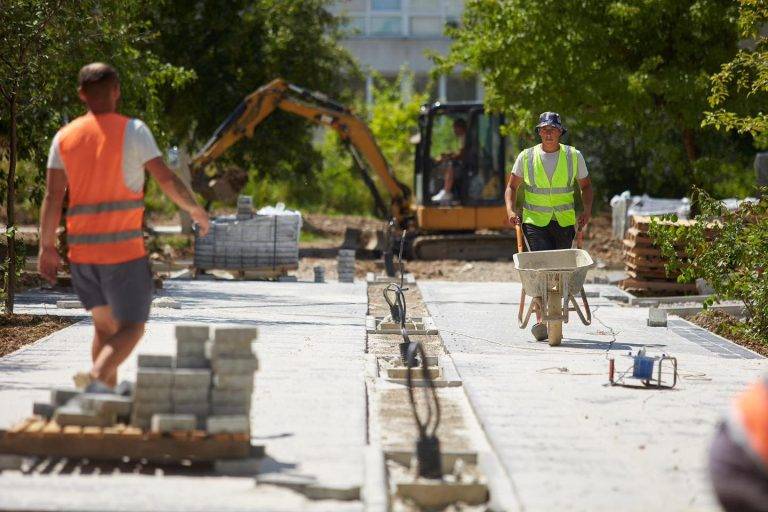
{"x": 451, "y": 163}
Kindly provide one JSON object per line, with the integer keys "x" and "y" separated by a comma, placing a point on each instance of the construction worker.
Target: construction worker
{"x": 548, "y": 171}
{"x": 451, "y": 163}
{"x": 100, "y": 159}
{"x": 738, "y": 458}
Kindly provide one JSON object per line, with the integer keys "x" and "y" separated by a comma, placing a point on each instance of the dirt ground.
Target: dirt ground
{"x": 731, "y": 328}
{"x": 329, "y": 233}
{"x": 19, "y": 330}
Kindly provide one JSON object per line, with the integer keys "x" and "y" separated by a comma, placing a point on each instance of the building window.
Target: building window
{"x": 422, "y": 26}
{"x": 385, "y": 5}
{"x": 426, "y": 6}
{"x": 461, "y": 89}
{"x": 386, "y": 26}
{"x": 355, "y": 26}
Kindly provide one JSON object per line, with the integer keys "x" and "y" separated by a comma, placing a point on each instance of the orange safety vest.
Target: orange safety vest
{"x": 104, "y": 220}
{"x": 748, "y": 423}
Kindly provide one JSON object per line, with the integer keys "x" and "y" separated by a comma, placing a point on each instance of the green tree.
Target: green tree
{"x": 235, "y": 47}
{"x": 740, "y": 89}
{"x": 631, "y": 79}
{"x": 42, "y": 46}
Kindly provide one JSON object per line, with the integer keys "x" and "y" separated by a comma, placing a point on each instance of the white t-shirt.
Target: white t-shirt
{"x": 549, "y": 160}
{"x": 139, "y": 147}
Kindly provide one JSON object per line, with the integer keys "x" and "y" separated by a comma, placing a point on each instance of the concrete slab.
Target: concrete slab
{"x": 309, "y": 408}
{"x": 566, "y": 440}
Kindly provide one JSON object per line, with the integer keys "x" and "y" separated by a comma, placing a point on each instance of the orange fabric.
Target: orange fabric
{"x": 91, "y": 148}
{"x": 753, "y": 408}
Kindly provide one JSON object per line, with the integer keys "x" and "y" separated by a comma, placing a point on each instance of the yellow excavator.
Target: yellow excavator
{"x": 469, "y": 225}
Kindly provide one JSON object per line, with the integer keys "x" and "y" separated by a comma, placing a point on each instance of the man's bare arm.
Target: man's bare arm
{"x": 178, "y": 192}
{"x": 587, "y": 196}
{"x": 510, "y": 196}
{"x": 50, "y": 216}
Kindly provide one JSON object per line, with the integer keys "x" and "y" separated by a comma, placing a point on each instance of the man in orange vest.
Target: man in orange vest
{"x": 100, "y": 159}
{"x": 738, "y": 459}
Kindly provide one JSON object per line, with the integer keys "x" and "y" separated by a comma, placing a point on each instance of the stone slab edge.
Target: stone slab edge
{"x": 430, "y": 328}
{"x": 716, "y": 335}
{"x": 375, "y": 491}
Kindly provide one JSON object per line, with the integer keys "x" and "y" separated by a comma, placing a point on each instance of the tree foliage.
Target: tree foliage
{"x": 740, "y": 89}
{"x": 234, "y": 47}
{"x": 630, "y": 78}
{"x": 42, "y": 46}
{"x": 727, "y": 249}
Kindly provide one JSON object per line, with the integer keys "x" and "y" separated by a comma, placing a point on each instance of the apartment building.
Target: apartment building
{"x": 385, "y": 35}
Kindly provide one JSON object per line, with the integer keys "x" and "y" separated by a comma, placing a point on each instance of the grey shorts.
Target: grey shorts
{"x": 125, "y": 287}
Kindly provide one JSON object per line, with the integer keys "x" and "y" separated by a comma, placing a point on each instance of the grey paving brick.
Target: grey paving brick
{"x": 103, "y": 403}
{"x": 238, "y": 467}
{"x": 147, "y": 409}
{"x": 60, "y": 396}
{"x": 152, "y": 394}
{"x": 11, "y": 462}
{"x": 192, "y": 361}
{"x": 192, "y": 332}
{"x": 235, "y": 334}
{"x": 231, "y": 409}
{"x": 155, "y": 361}
{"x": 154, "y": 377}
{"x": 234, "y": 381}
{"x": 229, "y": 348}
{"x": 190, "y": 348}
{"x": 230, "y": 396}
{"x": 196, "y": 394}
{"x": 74, "y": 415}
{"x": 223, "y": 424}
{"x": 244, "y": 365}
{"x": 189, "y": 377}
{"x": 196, "y": 408}
{"x": 173, "y": 422}
{"x": 43, "y": 409}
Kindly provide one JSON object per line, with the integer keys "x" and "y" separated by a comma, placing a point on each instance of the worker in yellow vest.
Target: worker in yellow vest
{"x": 100, "y": 158}
{"x": 738, "y": 458}
{"x": 549, "y": 171}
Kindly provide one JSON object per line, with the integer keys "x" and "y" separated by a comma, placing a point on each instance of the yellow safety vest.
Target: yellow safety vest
{"x": 543, "y": 198}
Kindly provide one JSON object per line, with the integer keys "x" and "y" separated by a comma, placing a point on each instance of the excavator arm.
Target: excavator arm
{"x": 318, "y": 108}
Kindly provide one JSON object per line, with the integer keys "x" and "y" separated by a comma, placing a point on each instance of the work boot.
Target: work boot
{"x": 539, "y": 331}
{"x": 442, "y": 197}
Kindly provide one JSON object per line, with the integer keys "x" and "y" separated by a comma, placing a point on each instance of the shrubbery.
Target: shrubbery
{"x": 729, "y": 249}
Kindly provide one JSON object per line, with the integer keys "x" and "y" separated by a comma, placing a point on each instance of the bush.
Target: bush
{"x": 727, "y": 249}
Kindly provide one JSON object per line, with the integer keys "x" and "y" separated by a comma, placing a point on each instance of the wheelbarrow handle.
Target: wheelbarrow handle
{"x": 519, "y": 237}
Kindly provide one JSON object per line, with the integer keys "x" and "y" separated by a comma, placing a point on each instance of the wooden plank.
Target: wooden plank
{"x": 36, "y": 427}
{"x": 163, "y": 449}
{"x": 657, "y": 285}
{"x": 651, "y": 275}
{"x": 93, "y": 431}
{"x": 22, "y": 425}
{"x": 73, "y": 430}
{"x": 51, "y": 429}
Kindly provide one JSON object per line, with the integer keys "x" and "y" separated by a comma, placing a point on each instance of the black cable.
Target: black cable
{"x": 428, "y": 445}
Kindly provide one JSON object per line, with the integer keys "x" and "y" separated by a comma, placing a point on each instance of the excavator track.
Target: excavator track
{"x": 470, "y": 246}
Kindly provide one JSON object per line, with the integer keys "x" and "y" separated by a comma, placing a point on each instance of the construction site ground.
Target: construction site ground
{"x": 561, "y": 438}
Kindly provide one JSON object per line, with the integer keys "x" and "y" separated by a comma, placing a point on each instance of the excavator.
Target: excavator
{"x": 471, "y": 225}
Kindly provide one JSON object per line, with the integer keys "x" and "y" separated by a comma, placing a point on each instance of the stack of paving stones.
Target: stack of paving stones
{"x": 346, "y": 265}
{"x": 255, "y": 242}
{"x": 190, "y": 391}
{"x": 152, "y": 395}
{"x": 233, "y": 364}
{"x": 73, "y": 407}
{"x": 319, "y": 274}
{"x": 244, "y": 207}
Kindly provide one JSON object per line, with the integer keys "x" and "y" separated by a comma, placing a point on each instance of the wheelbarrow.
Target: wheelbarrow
{"x": 551, "y": 279}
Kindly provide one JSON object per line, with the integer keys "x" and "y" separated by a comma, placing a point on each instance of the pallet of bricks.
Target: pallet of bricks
{"x": 264, "y": 243}
{"x": 645, "y": 265}
{"x": 191, "y": 406}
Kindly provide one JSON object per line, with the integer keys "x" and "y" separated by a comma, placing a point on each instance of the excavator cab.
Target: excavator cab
{"x": 459, "y": 169}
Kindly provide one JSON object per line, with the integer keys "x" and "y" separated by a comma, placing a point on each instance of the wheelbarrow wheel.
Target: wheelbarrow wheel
{"x": 555, "y": 327}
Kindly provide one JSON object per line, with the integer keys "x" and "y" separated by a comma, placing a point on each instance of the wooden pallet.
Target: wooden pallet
{"x": 660, "y": 286}
{"x": 43, "y": 438}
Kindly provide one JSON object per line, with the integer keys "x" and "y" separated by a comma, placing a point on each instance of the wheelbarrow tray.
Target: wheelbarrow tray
{"x": 534, "y": 266}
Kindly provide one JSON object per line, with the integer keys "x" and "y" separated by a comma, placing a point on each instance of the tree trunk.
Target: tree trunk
{"x": 10, "y": 274}
{"x": 689, "y": 141}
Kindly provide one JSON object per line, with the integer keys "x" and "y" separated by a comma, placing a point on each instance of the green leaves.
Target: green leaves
{"x": 727, "y": 249}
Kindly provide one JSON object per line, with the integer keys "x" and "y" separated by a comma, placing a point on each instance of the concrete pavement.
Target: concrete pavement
{"x": 566, "y": 439}
{"x": 308, "y": 410}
